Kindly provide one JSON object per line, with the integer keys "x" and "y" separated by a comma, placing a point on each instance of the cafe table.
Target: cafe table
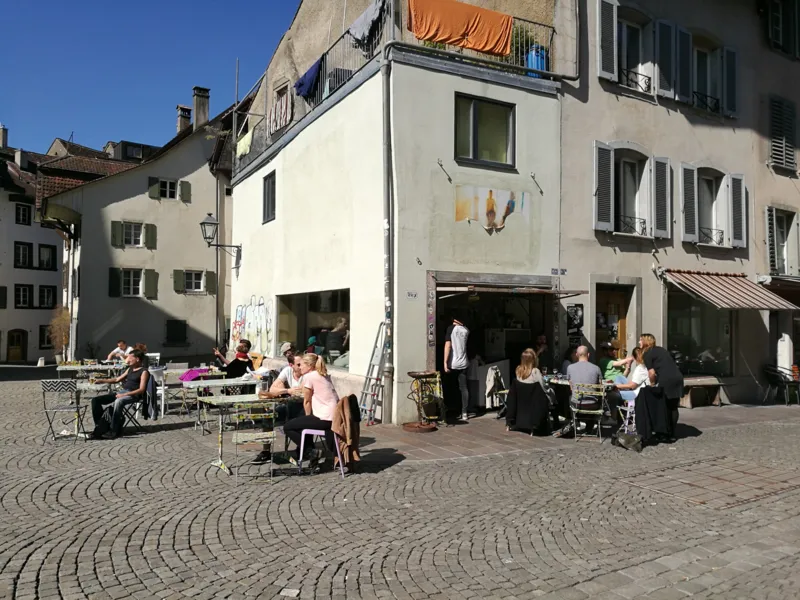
{"x": 80, "y": 369}
{"x": 211, "y": 384}
{"x": 88, "y": 388}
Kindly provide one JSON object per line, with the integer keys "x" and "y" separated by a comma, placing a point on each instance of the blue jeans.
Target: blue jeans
{"x": 99, "y": 405}
{"x": 627, "y": 395}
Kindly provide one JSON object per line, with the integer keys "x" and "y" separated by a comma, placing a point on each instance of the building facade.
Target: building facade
{"x": 139, "y": 267}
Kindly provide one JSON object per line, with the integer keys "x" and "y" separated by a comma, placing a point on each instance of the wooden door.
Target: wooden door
{"x": 17, "y": 345}
{"x": 612, "y": 319}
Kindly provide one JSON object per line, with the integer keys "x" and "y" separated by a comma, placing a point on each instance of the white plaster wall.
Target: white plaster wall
{"x": 28, "y": 319}
{"x": 427, "y": 236}
{"x": 102, "y": 319}
{"x": 328, "y": 231}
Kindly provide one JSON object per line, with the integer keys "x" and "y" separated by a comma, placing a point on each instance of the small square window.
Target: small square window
{"x": 168, "y": 189}
{"x": 23, "y": 214}
{"x": 23, "y": 296}
{"x": 484, "y": 131}
{"x": 133, "y": 152}
{"x": 47, "y": 296}
{"x": 228, "y": 191}
{"x": 194, "y": 281}
{"x": 45, "y": 342}
{"x": 23, "y": 255}
{"x": 132, "y": 234}
{"x": 176, "y": 331}
{"x": 131, "y": 283}
{"x": 269, "y": 198}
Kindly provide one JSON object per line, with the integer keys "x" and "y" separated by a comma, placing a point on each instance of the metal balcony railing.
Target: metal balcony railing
{"x": 631, "y": 225}
{"x": 705, "y": 102}
{"x": 712, "y": 236}
{"x": 636, "y": 81}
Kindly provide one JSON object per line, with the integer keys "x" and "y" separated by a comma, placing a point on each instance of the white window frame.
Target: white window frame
{"x": 168, "y": 189}
{"x": 715, "y": 198}
{"x": 23, "y": 264}
{"x": 48, "y": 341}
{"x": 644, "y": 192}
{"x": 25, "y": 291}
{"x": 622, "y": 57}
{"x": 130, "y": 226}
{"x": 26, "y": 210}
{"x": 638, "y": 177}
{"x": 192, "y": 273}
{"x": 785, "y": 218}
{"x": 130, "y": 273}
{"x": 46, "y": 290}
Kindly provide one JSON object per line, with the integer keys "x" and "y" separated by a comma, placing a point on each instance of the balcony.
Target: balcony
{"x": 636, "y": 81}
{"x": 714, "y": 237}
{"x": 631, "y": 225}
{"x": 708, "y": 103}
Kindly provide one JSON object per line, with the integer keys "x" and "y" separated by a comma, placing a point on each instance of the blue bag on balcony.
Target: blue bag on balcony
{"x": 537, "y": 58}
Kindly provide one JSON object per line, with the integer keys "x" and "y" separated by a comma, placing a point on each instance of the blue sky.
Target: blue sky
{"x": 115, "y": 70}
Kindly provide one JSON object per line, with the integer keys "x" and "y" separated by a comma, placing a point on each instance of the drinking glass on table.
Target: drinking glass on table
{"x": 544, "y": 371}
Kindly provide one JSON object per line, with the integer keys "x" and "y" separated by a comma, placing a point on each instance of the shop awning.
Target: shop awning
{"x": 509, "y": 290}
{"x": 726, "y": 290}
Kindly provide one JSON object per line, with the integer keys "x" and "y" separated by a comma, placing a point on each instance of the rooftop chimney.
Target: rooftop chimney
{"x": 3, "y": 137}
{"x": 200, "y": 102}
{"x": 184, "y": 117}
{"x": 21, "y": 158}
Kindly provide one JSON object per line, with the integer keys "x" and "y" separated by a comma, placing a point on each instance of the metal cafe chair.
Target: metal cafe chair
{"x": 52, "y": 411}
{"x": 588, "y": 402}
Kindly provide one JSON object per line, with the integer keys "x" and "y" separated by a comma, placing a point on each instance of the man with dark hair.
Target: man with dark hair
{"x": 120, "y": 352}
{"x": 134, "y": 387}
{"x": 456, "y": 362}
{"x": 544, "y": 358}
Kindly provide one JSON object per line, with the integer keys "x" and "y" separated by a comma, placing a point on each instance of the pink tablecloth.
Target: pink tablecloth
{"x": 192, "y": 374}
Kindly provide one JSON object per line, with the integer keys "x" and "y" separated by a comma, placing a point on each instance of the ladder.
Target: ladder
{"x": 373, "y": 381}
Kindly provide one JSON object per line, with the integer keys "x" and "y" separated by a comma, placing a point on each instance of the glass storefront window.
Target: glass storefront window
{"x": 698, "y": 335}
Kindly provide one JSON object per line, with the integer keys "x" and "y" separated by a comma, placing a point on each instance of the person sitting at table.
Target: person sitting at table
{"x": 583, "y": 372}
{"x": 570, "y": 357}
{"x": 528, "y": 404}
{"x": 319, "y": 402}
{"x": 290, "y": 378}
{"x": 338, "y": 338}
{"x": 224, "y": 361}
{"x": 610, "y": 366}
{"x": 312, "y": 344}
{"x": 140, "y": 346}
{"x": 629, "y": 388}
{"x": 134, "y": 385}
{"x": 120, "y": 352}
{"x": 241, "y": 363}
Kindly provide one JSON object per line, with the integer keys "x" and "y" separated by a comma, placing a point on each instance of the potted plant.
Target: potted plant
{"x": 59, "y": 330}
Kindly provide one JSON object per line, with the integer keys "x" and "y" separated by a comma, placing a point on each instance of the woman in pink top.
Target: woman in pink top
{"x": 319, "y": 402}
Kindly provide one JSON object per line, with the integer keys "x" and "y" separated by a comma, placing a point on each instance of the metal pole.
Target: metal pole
{"x": 216, "y": 260}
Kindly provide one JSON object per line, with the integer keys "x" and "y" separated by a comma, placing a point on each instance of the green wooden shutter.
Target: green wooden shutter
{"x": 3, "y": 296}
{"x": 179, "y": 281}
{"x": 116, "y": 234}
{"x": 153, "y": 188}
{"x": 150, "y": 284}
{"x": 211, "y": 282}
{"x": 114, "y": 282}
{"x": 185, "y": 191}
{"x": 150, "y": 236}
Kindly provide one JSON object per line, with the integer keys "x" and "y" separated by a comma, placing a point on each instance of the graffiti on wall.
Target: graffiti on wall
{"x": 253, "y": 322}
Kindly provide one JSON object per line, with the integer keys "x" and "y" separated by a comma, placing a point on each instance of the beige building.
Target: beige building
{"x": 562, "y": 188}
{"x": 139, "y": 267}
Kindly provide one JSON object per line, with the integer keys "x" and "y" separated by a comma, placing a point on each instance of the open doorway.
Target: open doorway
{"x": 611, "y": 318}
{"x": 17, "y": 350}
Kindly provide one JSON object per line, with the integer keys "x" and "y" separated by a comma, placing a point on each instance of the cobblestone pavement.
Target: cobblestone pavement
{"x": 146, "y": 517}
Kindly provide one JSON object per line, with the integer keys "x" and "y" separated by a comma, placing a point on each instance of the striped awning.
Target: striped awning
{"x": 726, "y": 290}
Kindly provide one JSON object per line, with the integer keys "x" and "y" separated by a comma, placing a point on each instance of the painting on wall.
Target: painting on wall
{"x": 253, "y": 322}
{"x": 491, "y": 208}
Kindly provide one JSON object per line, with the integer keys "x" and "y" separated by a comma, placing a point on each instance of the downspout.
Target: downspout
{"x": 216, "y": 272}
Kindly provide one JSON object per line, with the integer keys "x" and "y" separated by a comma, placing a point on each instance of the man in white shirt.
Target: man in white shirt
{"x": 120, "y": 352}
{"x": 456, "y": 361}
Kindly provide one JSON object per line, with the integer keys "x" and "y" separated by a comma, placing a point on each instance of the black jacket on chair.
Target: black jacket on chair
{"x": 528, "y": 408}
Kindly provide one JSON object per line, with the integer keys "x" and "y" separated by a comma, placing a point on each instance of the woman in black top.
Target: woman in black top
{"x": 241, "y": 363}
{"x": 134, "y": 386}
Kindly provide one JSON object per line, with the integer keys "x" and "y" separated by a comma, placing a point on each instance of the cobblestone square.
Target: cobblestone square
{"x": 146, "y": 516}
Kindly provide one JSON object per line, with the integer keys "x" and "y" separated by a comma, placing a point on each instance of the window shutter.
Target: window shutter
{"x": 665, "y": 59}
{"x": 772, "y": 248}
{"x": 607, "y": 39}
{"x": 662, "y": 198}
{"x": 689, "y": 202}
{"x": 775, "y": 23}
{"x": 730, "y": 82}
{"x": 3, "y": 297}
{"x": 603, "y": 187}
{"x": 738, "y": 204}
{"x": 186, "y": 191}
{"x": 153, "y": 188}
{"x": 211, "y": 282}
{"x": 116, "y": 234}
{"x": 684, "y": 55}
{"x": 179, "y": 281}
{"x": 150, "y": 284}
{"x": 782, "y": 126}
{"x": 150, "y": 236}
{"x": 114, "y": 282}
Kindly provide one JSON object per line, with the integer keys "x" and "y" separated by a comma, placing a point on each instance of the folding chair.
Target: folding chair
{"x": 782, "y": 381}
{"x": 153, "y": 359}
{"x": 588, "y": 401}
{"x": 62, "y": 386}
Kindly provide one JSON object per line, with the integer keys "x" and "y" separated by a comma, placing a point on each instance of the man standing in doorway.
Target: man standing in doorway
{"x": 456, "y": 362}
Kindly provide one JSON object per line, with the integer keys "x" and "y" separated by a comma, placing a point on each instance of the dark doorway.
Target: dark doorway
{"x": 17, "y": 346}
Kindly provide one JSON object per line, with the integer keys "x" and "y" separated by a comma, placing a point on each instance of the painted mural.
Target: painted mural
{"x": 493, "y": 209}
{"x": 253, "y": 322}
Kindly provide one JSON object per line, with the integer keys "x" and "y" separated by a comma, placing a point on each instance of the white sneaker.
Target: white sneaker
{"x": 465, "y": 417}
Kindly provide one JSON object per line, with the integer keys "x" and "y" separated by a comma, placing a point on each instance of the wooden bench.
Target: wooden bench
{"x": 702, "y": 391}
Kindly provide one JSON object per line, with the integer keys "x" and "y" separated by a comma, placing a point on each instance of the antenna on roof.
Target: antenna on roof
{"x": 71, "y": 135}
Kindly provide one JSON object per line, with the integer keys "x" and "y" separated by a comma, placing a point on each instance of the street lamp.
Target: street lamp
{"x": 209, "y": 227}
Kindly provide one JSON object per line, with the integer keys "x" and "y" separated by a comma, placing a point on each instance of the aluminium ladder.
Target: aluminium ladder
{"x": 373, "y": 381}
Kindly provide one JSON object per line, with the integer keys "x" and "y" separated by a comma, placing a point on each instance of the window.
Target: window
{"x": 132, "y": 234}
{"x": 627, "y": 198}
{"x": 325, "y": 316}
{"x": 714, "y": 207}
{"x": 23, "y": 214}
{"x": 76, "y": 282}
{"x": 630, "y": 55}
{"x": 47, "y": 296}
{"x": 23, "y": 296}
{"x": 782, "y": 129}
{"x": 228, "y": 191}
{"x": 131, "y": 282}
{"x": 133, "y": 151}
{"x": 269, "y": 198}
{"x": 698, "y": 335}
{"x": 706, "y": 80}
{"x": 176, "y": 332}
{"x": 781, "y": 239}
{"x": 47, "y": 257}
{"x": 782, "y": 26}
{"x": 484, "y": 131}
{"x": 783, "y": 222}
{"x": 193, "y": 280}
{"x": 45, "y": 343}
{"x": 23, "y": 255}
{"x": 167, "y": 189}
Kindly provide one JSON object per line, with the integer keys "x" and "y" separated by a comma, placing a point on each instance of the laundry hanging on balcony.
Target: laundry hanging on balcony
{"x": 243, "y": 145}
{"x": 306, "y": 86}
{"x": 458, "y": 24}
{"x": 366, "y": 29}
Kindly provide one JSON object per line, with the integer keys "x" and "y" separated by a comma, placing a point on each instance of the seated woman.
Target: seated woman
{"x": 629, "y": 388}
{"x": 529, "y": 398}
{"x": 134, "y": 385}
{"x": 241, "y": 362}
{"x": 319, "y": 402}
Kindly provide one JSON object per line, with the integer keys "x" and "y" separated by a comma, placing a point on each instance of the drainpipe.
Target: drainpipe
{"x": 216, "y": 271}
{"x": 388, "y": 238}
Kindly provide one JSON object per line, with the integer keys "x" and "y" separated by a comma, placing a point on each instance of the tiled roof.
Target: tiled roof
{"x": 78, "y": 150}
{"x": 49, "y": 185}
{"x": 82, "y": 164}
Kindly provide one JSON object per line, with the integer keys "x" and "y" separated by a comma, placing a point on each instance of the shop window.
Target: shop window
{"x": 699, "y": 335}
{"x": 484, "y": 131}
{"x": 318, "y": 322}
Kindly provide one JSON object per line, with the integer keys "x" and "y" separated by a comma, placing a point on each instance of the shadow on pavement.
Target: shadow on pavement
{"x": 27, "y": 373}
{"x": 686, "y": 431}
